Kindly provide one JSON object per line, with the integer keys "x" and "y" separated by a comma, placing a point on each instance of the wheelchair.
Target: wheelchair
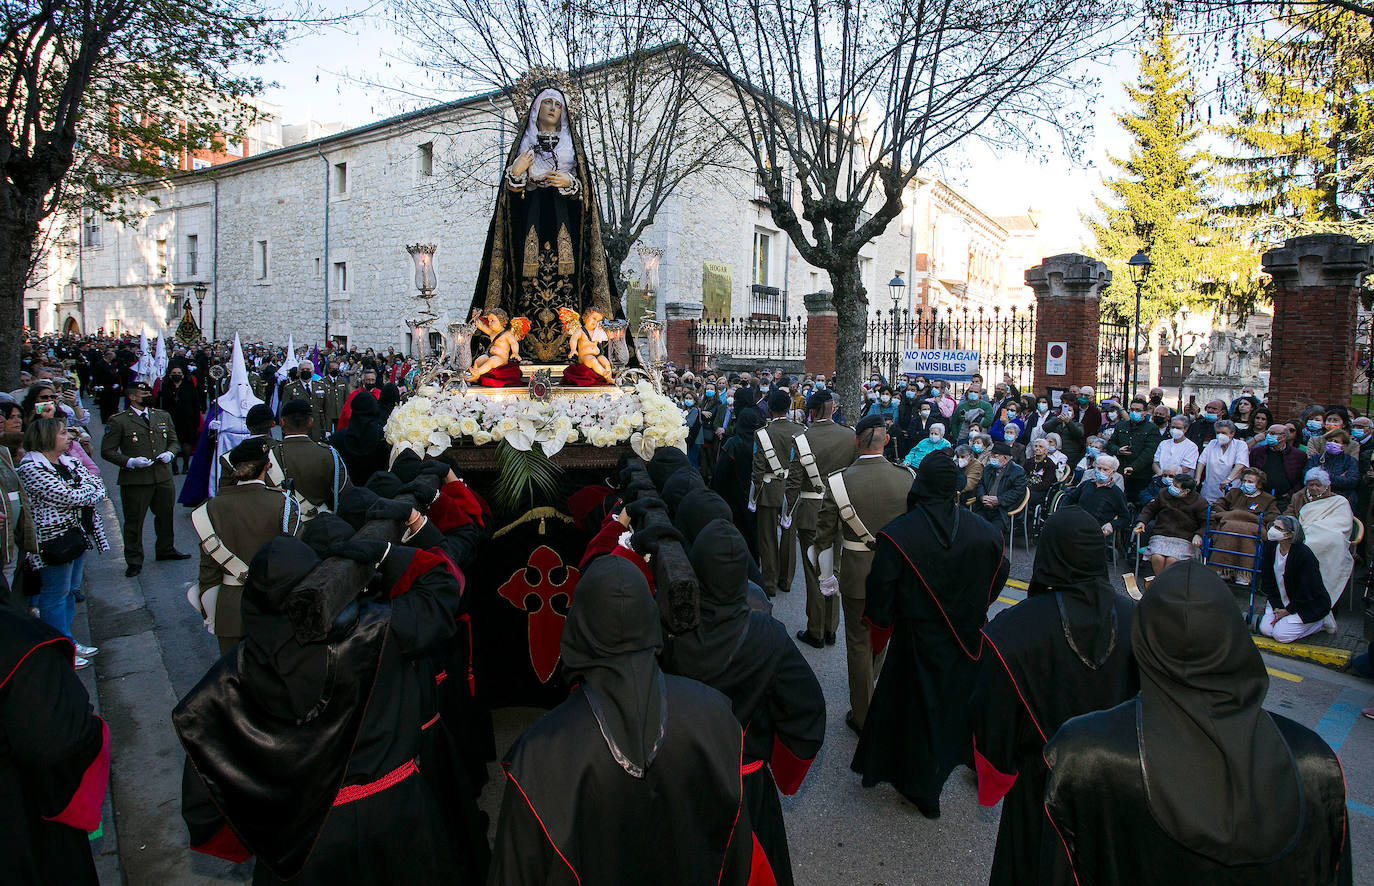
{"x": 1217, "y": 541}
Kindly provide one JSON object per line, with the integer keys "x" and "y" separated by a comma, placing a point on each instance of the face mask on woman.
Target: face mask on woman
{"x": 1135, "y": 415}
{"x": 1249, "y": 488}
{"x": 1176, "y": 433}
{"x": 710, "y": 394}
{"x": 961, "y": 462}
{"x": 1050, "y": 448}
{"x": 925, "y": 413}
{"x": 1042, "y": 408}
{"x": 1313, "y": 425}
{"x": 972, "y": 396}
{"x": 885, "y": 399}
{"x": 936, "y": 438}
{"x": 1111, "y": 415}
{"x": 1167, "y": 480}
{"x": 1102, "y": 476}
{"x": 1276, "y": 534}
{"x": 978, "y": 448}
{"x": 1334, "y": 448}
{"x": 1094, "y": 452}
{"x": 1009, "y": 435}
{"x": 1223, "y": 439}
{"x": 1176, "y": 491}
{"x": 729, "y": 401}
{"x": 911, "y": 395}
{"x": 689, "y": 402}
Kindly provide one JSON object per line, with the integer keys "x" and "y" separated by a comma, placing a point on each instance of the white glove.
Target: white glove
{"x": 213, "y": 424}
{"x": 166, "y": 457}
{"x": 753, "y": 506}
{"x": 207, "y": 606}
{"x": 785, "y": 521}
{"x": 139, "y": 461}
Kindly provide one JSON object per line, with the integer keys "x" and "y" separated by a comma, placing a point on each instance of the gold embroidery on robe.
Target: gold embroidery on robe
{"x": 566, "y": 264}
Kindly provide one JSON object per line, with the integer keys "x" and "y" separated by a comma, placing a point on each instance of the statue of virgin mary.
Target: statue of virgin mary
{"x": 544, "y": 249}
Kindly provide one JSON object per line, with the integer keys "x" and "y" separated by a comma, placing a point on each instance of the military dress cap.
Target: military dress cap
{"x": 869, "y": 422}
{"x": 250, "y": 450}
{"x": 818, "y": 399}
{"x": 260, "y": 413}
{"x": 141, "y": 386}
{"x": 296, "y": 407}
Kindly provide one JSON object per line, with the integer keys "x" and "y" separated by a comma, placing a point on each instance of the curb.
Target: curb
{"x": 1326, "y": 656}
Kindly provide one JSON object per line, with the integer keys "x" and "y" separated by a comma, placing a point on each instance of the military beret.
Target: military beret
{"x": 818, "y": 399}
{"x": 250, "y": 450}
{"x": 259, "y": 414}
{"x": 868, "y": 422}
{"x": 295, "y": 407}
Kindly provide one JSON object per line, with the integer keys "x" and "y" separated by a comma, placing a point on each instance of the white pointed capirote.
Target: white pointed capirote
{"x": 239, "y": 397}
{"x": 145, "y": 366}
{"x": 161, "y": 359}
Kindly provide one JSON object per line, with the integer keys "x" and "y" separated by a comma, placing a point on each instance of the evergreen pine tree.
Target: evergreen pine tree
{"x": 1302, "y": 141}
{"x": 1158, "y": 199}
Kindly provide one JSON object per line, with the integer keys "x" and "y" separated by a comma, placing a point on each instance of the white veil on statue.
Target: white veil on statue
{"x": 563, "y": 158}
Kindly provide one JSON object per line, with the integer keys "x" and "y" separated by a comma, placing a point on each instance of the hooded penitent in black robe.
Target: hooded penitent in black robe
{"x": 1192, "y": 781}
{"x": 54, "y": 758}
{"x": 635, "y": 778}
{"x": 734, "y": 474}
{"x": 309, "y": 754}
{"x": 362, "y": 445}
{"x": 698, "y": 509}
{"x": 1064, "y": 651}
{"x": 751, "y": 657}
{"x": 935, "y": 571}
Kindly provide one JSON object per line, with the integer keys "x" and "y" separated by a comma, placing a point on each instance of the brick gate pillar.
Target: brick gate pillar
{"x": 677, "y": 336}
{"x": 1316, "y": 297}
{"x": 822, "y": 333}
{"x": 1068, "y": 289}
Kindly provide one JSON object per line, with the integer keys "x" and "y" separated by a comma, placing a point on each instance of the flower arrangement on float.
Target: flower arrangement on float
{"x": 430, "y": 422}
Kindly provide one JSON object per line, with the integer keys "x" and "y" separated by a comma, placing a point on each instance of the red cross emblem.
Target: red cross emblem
{"x": 535, "y": 597}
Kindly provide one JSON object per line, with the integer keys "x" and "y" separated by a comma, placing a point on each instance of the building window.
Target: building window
{"x": 198, "y": 163}
{"x": 233, "y": 148}
{"x": 426, "y": 158}
{"x": 33, "y": 319}
{"x": 161, "y": 266}
{"x": 192, "y": 254}
{"x": 260, "y": 259}
{"x": 340, "y": 276}
{"x": 90, "y": 231}
{"x": 340, "y": 178}
{"x": 763, "y": 247}
{"x": 317, "y": 266}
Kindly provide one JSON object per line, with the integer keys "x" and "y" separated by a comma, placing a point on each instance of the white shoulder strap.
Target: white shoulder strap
{"x": 236, "y": 569}
{"x": 766, "y": 444}
{"x": 847, "y": 512}
{"x": 808, "y": 462}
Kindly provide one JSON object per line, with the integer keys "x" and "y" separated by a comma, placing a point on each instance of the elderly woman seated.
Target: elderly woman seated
{"x": 1179, "y": 514}
{"x": 1084, "y": 468}
{"x": 1243, "y": 513}
{"x": 933, "y": 441}
{"x": 973, "y": 473}
{"x": 1327, "y": 522}
{"x": 1291, "y": 579}
{"x": 1100, "y": 494}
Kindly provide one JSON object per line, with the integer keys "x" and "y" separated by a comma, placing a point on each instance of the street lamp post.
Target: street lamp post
{"x": 1139, "y": 266}
{"x": 896, "y": 288}
{"x": 200, "y": 289}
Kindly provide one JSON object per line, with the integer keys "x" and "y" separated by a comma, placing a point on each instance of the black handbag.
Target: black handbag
{"x": 64, "y": 548}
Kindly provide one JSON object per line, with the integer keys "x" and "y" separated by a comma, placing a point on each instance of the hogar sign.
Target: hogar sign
{"x": 947, "y": 365}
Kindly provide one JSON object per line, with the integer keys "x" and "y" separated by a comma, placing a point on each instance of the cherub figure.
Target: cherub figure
{"x": 505, "y": 340}
{"x": 582, "y": 346}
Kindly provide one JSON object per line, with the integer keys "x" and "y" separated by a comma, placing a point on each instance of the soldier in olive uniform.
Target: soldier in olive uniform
{"x": 336, "y": 390}
{"x": 260, "y": 421}
{"x": 316, "y": 472}
{"x": 868, "y": 495}
{"x": 772, "y": 455}
{"x": 824, "y": 448}
{"x": 143, "y": 441}
{"x": 242, "y": 517}
{"x": 310, "y": 389}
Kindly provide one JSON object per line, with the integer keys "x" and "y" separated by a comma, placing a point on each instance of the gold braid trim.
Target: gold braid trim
{"x": 566, "y": 263}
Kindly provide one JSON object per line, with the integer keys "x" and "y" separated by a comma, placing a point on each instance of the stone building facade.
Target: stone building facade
{"x": 309, "y": 240}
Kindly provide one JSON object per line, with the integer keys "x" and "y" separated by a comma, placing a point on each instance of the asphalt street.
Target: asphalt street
{"x": 154, "y": 649}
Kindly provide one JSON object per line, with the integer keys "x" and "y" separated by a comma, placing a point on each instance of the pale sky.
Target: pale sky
{"x": 327, "y": 77}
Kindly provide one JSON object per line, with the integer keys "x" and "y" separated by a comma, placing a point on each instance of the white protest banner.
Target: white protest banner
{"x": 947, "y": 365}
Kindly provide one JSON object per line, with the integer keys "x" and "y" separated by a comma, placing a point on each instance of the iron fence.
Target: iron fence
{"x": 1004, "y": 340}
{"x": 715, "y": 343}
